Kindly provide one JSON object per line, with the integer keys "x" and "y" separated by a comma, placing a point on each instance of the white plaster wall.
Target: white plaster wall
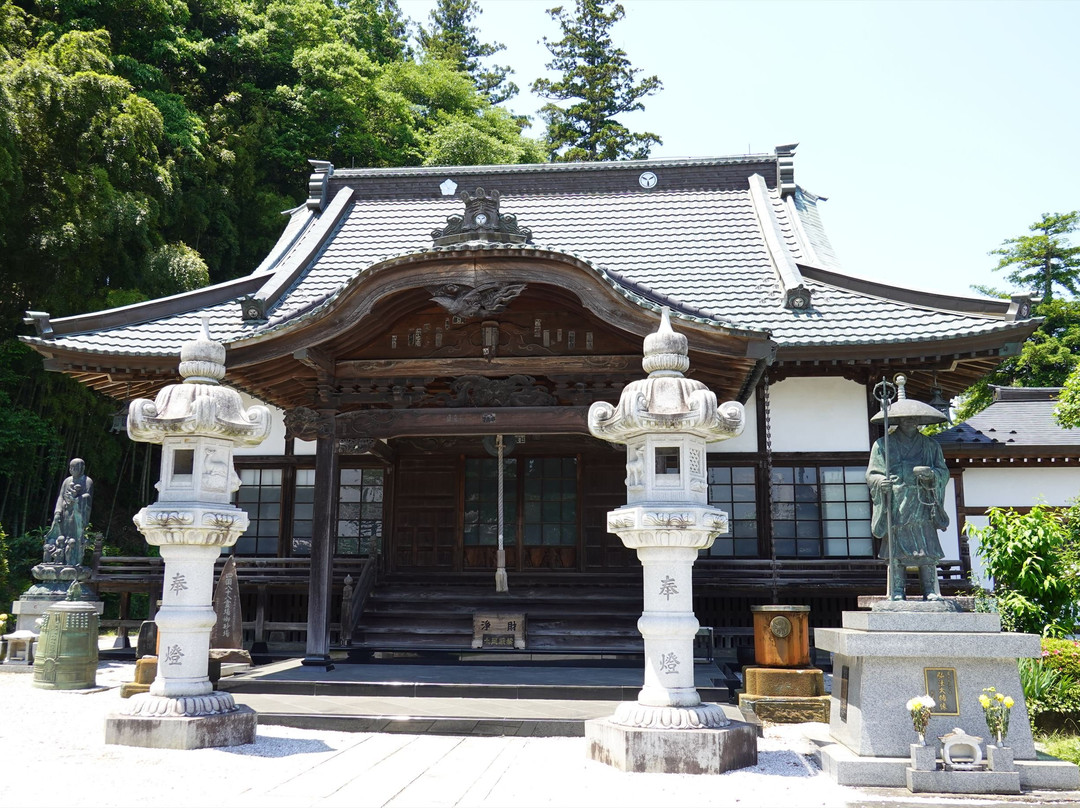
{"x": 978, "y": 573}
{"x": 303, "y": 447}
{"x": 275, "y": 443}
{"x": 748, "y": 440}
{"x": 1005, "y": 486}
{"x": 819, "y": 415}
{"x": 950, "y": 537}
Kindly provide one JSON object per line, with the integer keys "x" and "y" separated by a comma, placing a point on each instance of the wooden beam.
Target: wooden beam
{"x": 496, "y": 366}
{"x": 388, "y": 424}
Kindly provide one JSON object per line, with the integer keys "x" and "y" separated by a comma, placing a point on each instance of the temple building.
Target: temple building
{"x": 407, "y": 317}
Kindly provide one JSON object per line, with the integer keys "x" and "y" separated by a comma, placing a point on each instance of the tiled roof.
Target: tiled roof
{"x": 1020, "y": 416}
{"x": 700, "y": 245}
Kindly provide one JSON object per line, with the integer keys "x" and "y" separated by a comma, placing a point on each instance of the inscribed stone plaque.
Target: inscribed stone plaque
{"x": 228, "y": 630}
{"x": 845, "y": 676}
{"x": 498, "y": 630}
{"x": 941, "y": 686}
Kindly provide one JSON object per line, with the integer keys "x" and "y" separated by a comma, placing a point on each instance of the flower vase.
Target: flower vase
{"x": 922, "y": 739}
{"x": 999, "y": 739}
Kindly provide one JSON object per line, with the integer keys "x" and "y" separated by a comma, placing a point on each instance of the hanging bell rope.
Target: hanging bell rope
{"x": 501, "y": 583}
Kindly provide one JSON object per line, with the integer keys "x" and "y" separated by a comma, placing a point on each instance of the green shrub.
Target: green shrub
{"x": 1033, "y": 560}
{"x": 1062, "y": 656}
{"x": 20, "y": 554}
{"x": 1052, "y": 685}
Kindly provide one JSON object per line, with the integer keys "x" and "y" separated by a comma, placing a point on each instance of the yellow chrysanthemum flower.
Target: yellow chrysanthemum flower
{"x": 984, "y": 700}
{"x": 1009, "y": 702}
{"x": 999, "y": 697}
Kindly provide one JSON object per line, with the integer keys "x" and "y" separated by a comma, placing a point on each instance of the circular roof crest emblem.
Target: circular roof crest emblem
{"x": 647, "y": 179}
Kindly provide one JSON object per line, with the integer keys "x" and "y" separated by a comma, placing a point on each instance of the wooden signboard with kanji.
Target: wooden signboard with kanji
{"x": 498, "y": 630}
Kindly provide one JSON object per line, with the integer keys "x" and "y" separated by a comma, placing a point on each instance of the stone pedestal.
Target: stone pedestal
{"x": 681, "y": 751}
{"x": 145, "y": 673}
{"x": 785, "y": 695}
{"x": 882, "y": 659}
{"x": 233, "y": 728}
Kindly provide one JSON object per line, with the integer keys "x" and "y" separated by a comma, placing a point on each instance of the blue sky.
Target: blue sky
{"x": 936, "y": 129}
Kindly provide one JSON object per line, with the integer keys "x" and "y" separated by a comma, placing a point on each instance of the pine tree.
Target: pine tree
{"x": 451, "y": 38}
{"x": 598, "y": 80}
{"x": 1046, "y": 258}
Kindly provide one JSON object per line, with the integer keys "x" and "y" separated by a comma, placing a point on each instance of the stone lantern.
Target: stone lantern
{"x": 198, "y": 424}
{"x": 666, "y": 421}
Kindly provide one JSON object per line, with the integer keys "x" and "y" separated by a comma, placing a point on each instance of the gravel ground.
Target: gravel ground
{"x": 54, "y": 754}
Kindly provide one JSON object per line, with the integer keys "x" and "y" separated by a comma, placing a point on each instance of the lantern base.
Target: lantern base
{"x": 642, "y": 716}
{"x": 234, "y": 728}
{"x": 679, "y": 751}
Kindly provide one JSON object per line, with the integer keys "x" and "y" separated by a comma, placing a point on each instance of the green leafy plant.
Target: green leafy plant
{"x": 1045, "y": 687}
{"x": 1032, "y": 559}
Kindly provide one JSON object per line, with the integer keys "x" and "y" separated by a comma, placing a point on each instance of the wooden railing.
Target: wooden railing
{"x": 132, "y": 574}
{"x": 263, "y": 577}
{"x": 353, "y": 599}
{"x": 754, "y": 574}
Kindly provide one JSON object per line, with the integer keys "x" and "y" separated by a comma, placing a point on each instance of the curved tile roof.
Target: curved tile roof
{"x": 697, "y": 244}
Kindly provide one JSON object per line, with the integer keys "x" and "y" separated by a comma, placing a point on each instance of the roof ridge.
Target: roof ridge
{"x": 533, "y": 168}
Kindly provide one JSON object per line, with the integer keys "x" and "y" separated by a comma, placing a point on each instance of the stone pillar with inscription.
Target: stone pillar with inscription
{"x": 198, "y": 424}
{"x": 666, "y": 422}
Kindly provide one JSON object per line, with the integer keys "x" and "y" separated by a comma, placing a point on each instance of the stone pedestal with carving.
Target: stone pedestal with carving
{"x": 198, "y": 424}
{"x": 665, "y": 421}
{"x": 883, "y": 658}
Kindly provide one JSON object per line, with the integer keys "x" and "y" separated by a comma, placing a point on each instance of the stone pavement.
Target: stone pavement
{"x": 54, "y": 755}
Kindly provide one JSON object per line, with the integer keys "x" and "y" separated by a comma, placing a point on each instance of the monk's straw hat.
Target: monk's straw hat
{"x": 905, "y": 408}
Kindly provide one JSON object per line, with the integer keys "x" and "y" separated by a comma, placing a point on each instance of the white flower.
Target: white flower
{"x": 921, "y": 701}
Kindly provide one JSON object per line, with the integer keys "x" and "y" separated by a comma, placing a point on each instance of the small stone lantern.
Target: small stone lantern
{"x": 666, "y": 421}
{"x": 198, "y": 424}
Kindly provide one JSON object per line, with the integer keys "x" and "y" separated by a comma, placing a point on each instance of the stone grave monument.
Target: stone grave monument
{"x": 227, "y": 636}
{"x": 665, "y": 421}
{"x": 198, "y": 423}
{"x": 63, "y": 549}
{"x": 904, "y": 648}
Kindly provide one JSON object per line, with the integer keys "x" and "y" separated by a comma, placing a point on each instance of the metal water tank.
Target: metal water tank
{"x": 67, "y": 650}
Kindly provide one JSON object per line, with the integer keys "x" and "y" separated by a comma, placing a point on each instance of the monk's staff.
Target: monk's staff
{"x": 884, "y": 397}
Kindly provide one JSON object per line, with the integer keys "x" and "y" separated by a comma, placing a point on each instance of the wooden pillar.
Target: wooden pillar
{"x": 320, "y": 582}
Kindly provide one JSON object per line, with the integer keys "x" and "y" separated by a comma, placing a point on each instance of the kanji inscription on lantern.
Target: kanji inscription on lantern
{"x": 669, "y": 663}
{"x": 174, "y": 655}
{"x": 498, "y": 630}
{"x": 941, "y": 684}
{"x": 668, "y": 587}
{"x": 178, "y": 584}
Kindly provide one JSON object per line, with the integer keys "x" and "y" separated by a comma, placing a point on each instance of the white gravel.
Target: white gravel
{"x": 54, "y": 754}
